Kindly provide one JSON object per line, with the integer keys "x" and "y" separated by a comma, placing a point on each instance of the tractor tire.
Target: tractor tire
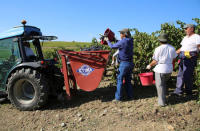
{"x": 27, "y": 89}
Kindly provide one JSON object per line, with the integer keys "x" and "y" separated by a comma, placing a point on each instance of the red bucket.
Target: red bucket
{"x": 146, "y": 78}
{"x": 111, "y": 36}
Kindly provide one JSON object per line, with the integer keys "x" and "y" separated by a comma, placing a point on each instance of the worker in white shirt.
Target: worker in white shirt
{"x": 188, "y": 60}
{"x": 163, "y": 57}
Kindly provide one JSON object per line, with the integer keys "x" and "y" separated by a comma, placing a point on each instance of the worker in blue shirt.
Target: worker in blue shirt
{"x": 125, "y": 46}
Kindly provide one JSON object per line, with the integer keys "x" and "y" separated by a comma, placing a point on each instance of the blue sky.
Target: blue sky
{"x": 81, "y": 20}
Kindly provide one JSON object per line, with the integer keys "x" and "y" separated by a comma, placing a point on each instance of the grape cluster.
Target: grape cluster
{"x": 92, "y": 48}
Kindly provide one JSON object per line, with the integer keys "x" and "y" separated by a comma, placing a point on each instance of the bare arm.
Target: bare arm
{"x": 198, "y": 46}
{"x": 153, "y": 63}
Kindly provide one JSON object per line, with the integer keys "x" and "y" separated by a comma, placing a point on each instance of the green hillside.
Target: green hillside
{"x": 50, "y": 48}
{"x": 4, "y": 53}
{"x": 62, "y": 44}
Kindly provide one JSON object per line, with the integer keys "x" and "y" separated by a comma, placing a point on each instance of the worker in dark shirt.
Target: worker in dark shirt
{"x": 125, "y": 46}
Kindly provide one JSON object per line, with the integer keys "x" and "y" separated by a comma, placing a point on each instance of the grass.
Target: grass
{"x": 5, "y": 53}
{"x": 52, "y": 45}
{"x": 64, "y": 44}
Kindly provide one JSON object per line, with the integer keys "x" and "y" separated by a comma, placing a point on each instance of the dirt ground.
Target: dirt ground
{"x": 95, "y": 111}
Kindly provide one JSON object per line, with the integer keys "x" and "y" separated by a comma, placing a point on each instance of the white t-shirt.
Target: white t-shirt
{"x": 164, "y": 55}
{"x": 29, "y": 51}
{"x": 189, "y": 43}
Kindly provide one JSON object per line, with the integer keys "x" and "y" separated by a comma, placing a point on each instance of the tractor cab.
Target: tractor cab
{"x": 31, "y": 47}
{"x": 20, "y": 46}
{"x": 25, "y": 76}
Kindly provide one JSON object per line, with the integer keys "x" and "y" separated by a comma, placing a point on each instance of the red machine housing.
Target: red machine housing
{"x": 85, "y": 69}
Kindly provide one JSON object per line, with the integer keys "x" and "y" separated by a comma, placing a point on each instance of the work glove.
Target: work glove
{"x": 106, "y": 39}
{"x": 148, "y": 67}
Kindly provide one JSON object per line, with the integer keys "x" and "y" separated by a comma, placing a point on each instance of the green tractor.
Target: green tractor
{"x": 28, "y": 80}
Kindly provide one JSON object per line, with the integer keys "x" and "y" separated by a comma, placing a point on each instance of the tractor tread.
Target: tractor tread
{"x": 40, "y": 87}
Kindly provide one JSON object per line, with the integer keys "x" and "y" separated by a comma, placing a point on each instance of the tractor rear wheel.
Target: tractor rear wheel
{"x": 27, "y": 89}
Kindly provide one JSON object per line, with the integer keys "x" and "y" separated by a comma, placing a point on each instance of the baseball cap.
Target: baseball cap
{"x": 125, "y": 30}
{"x": 188, "y": 25}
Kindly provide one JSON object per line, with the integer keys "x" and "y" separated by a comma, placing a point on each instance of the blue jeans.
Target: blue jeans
{"x": 125, "y": 71}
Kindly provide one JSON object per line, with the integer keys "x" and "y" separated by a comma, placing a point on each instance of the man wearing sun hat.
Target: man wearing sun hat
{"x": 188, "y": 60}
{"x": 163, "y": 57}
{"x": 125, "y": 47}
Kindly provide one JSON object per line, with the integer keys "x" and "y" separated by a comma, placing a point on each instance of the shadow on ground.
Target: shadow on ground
{"x": 106, "y": 94}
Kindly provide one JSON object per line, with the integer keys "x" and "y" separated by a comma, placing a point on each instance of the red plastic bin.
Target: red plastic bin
{"x": 111, "y": 36}
{"x": 146, "y": 78}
